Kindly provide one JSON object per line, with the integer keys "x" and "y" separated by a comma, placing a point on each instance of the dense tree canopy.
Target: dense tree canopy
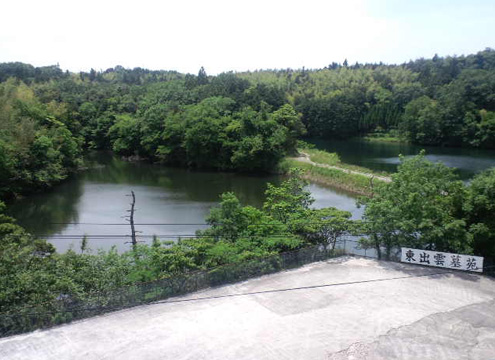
{"x": 243, "y": 122}
{"x": 427, "y": 207}
{"x": 420, "y": 208}
{"x": 37, "y": 147}
{"x": 157, "y": 114}
{"x": 480, "y": 210}
{"x": 237, "y": 121}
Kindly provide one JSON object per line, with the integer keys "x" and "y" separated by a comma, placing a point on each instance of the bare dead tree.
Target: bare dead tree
{"x": 130, "y": 218}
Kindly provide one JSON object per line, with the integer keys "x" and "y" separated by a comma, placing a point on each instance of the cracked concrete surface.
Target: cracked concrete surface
{"x": 379, "y": 310}
{"x": 464, "y": 333}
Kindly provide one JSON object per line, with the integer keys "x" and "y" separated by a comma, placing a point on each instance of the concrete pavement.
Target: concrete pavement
{"x": 345, "y": 308}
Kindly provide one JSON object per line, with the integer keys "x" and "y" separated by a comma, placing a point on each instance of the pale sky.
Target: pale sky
{"x": 238, "y": 35}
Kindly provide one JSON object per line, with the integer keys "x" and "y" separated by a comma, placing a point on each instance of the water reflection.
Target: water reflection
{"x": 201, "y": 186}
{"x": 340, "y": 199}
{"x": 163, "y": 196}
{"x": 48, "y": 211}
{"x": 181, "y": 196}
{"x": 385, "y": 156}
{"x": 465, "y": 165}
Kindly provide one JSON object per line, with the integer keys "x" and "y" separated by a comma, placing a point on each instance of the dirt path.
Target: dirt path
{"x": 305, "y": 158}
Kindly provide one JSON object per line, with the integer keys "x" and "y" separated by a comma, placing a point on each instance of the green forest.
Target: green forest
{"x": 248, "y": 121}
{"x": 245, "y": 122}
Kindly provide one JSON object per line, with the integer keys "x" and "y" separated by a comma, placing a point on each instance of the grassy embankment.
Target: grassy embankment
{"x": 327, "y": 169}
{"x": 385, "y": 137}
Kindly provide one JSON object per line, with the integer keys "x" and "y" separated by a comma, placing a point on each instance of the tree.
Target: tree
{"x": 421, "y": 208}
{"x": 26, "y": 275}
{"x": 322, "y": 226}
{"x": 205, "y": 140}
{"x": 287, "y": 117}
{"x": 258, "y": 141}
{"x": 202, "y": 77}
{"x": 126, "y": 135}
{"x": 289, "y": 199}
{"x": 480, "y": 210}
{"x": 422, "y": 121}
{"x": 485, "y": 130}
{"x": 227, "y": 220}
{"x": 230, "y": 221}
{"x": 92, "y": 75}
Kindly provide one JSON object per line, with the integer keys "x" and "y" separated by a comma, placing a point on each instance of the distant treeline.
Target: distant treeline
{"x": 232, "y": 121}
{"x": 243, "y": 122}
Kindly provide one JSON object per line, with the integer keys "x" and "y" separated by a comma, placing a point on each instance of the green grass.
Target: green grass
{"x": 362, "y": 169}
{"x": 391, "y": 136}
{"x": 385, "y": 139}
{"x": 355, "y": 183}
{"x": 323, "y": 157}
{"x": 332, "y": 159}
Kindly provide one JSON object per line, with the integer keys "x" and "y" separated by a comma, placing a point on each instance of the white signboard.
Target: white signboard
{"x": 442, "y": 259}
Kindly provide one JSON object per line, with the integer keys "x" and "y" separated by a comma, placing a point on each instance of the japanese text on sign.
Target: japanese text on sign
{"x": 442, "y": 259}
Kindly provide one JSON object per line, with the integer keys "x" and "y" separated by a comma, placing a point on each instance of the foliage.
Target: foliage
{"x": 232, "y": 121}
{"x": 32, "y": 274}
{"x": 125, "y": 135}
{"x": 431, "y": 101}
{"x": 212, "y": 134}
{"x": 244, "y": 122}
{"x": 36, "y": 148}
{"x": 289, "y": 199}
{"x": 422, "y": 121}
{"x": 480, "y": 209}
{"x": 322, "y": 226}
{"x": 420, "y": 208}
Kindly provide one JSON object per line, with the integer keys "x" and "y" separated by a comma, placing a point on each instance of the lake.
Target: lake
{"x": 174, "y": 202}
{"x": 165, "y": 197}
{"x": 383, "y": 156}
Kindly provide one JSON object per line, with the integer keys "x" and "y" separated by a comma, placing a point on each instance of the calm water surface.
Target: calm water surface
{"x": 163, "y": 196}
{"x": 179, "y": 196}
{"x": 385, "y": 156}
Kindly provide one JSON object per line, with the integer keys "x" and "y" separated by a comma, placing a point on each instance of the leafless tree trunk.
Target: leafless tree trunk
{"x": 131, "y": 220}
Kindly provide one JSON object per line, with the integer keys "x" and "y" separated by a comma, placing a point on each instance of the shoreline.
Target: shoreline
{"x": 327, "y": 181}
{"x": 384, "y": 139}
{"x": 355, "y": 181}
